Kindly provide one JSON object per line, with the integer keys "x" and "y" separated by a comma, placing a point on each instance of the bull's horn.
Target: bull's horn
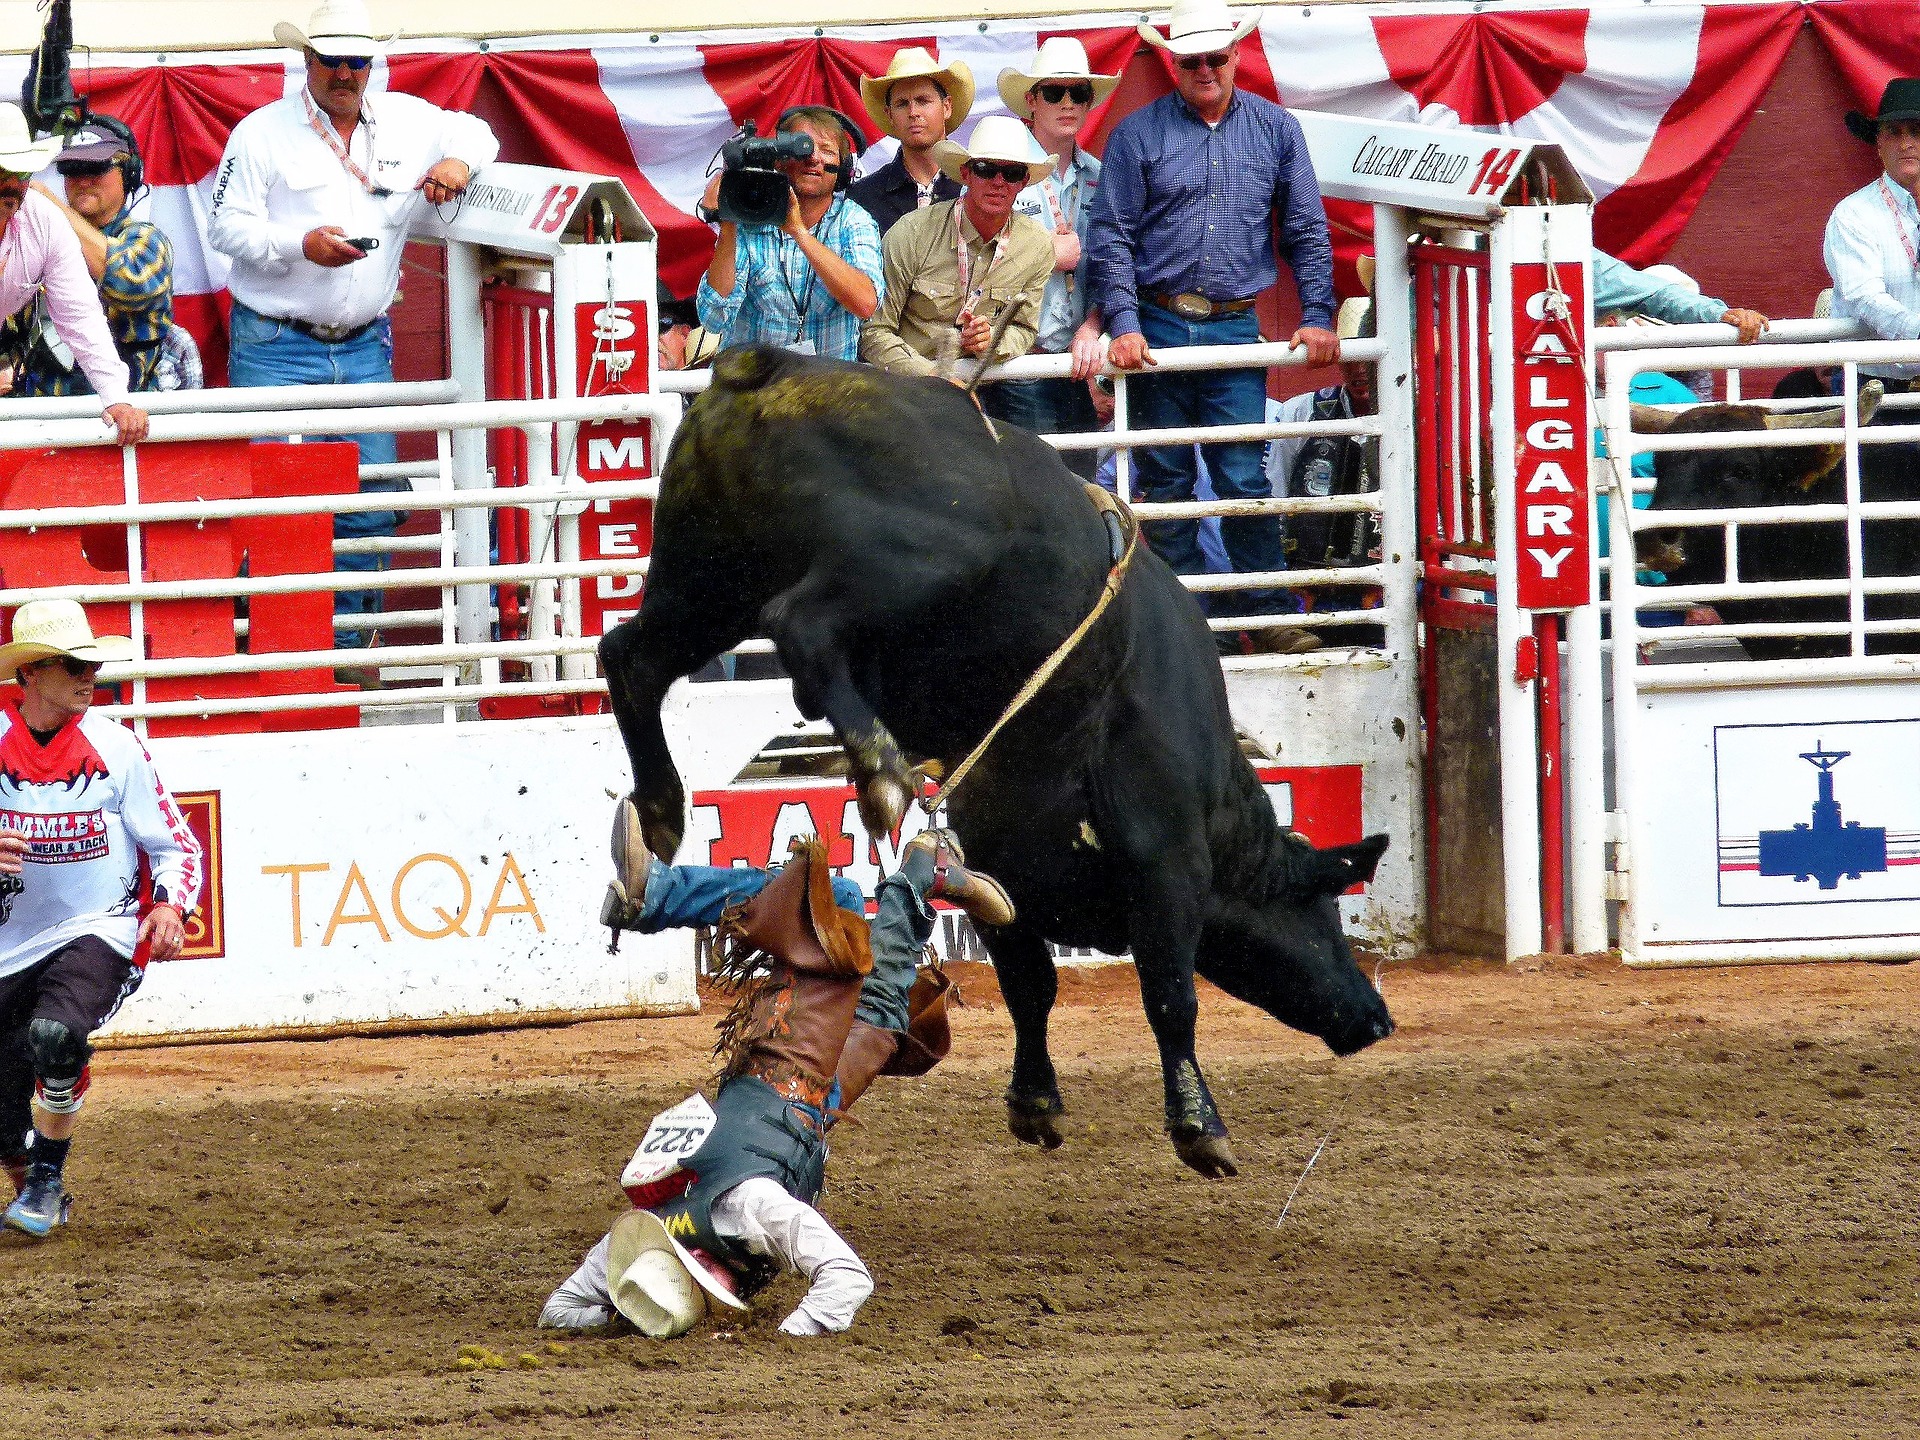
{"x": 1650, "y": 421}
{"x": 1871, "y": 394}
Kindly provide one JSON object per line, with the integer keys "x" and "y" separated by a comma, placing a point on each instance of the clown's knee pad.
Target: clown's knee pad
{"x": 59, "y": 1065}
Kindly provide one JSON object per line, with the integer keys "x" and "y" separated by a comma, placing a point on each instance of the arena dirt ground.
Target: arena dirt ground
{"x": 1569, "y": 1200}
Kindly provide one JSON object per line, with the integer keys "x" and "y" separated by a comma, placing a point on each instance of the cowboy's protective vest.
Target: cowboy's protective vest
{"x": 755, "y": 1132}
{"x": 1327, "y": 465}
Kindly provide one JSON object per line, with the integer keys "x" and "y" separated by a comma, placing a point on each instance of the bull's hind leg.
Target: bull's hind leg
{"x": 1029, "y": 985}
{"x": 641, "y": 659}
{"x": 812, "y": 625}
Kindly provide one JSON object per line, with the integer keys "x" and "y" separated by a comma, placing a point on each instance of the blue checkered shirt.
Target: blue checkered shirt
{"x": 778, "y": 299}
{"x": 1185, "y": 206}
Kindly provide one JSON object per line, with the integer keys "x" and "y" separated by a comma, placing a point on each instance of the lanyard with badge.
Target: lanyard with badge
{"x": 963, "y": 265}
{"x": 803, "y": 299}
{"x": 340, "y": 152}
{"x": 1900, "y": 227}
{"x": 1050, "y": 192}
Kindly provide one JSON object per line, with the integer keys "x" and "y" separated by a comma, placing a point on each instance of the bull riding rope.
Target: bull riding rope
{"x": 1116, "y": 576}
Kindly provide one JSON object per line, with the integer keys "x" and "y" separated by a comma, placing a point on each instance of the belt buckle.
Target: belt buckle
{"x": 331, "y": 334}
{"x": 1189, "y": 306}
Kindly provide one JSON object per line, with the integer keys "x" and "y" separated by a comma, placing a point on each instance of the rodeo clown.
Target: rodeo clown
{"x": 824, "y": 1006}
{"x": 98, "y": 871}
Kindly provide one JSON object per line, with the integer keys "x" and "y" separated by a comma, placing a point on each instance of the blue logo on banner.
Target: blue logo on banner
{"x": 1824, "y": 848}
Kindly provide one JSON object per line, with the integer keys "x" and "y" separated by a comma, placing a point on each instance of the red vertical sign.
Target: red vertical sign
{"x": 613, "y": 350}
{"x": 1552, "y": 503}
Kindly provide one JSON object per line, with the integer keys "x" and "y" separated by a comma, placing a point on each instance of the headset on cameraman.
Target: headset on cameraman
{"x": 852, "y": 146}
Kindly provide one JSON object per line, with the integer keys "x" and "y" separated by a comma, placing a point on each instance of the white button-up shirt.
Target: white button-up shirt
{"x": 1874, "y": 279}
{"x": 768, "y": 1221}
{"x": 279, "y": 179}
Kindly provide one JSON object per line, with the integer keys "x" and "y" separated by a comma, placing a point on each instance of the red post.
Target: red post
{"x": 1553, "y": 852}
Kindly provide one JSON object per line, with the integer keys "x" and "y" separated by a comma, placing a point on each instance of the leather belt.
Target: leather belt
{"x": 328, "y": 334}
{"x": 790, "y": 1082}
{"x": 1189, "y": 306}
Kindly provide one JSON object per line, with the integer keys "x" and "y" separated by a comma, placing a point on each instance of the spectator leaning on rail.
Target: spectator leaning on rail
{"x": 963, "y": 272}
{"x": 302, "y": 179}
{"x": 1666, "y": 294}
{"x": 40, "y": 256}
{"x": 1057, "y": 92}
{"x": 808, "y": 282}
{"x": 98, "y": 871}
{"x": 825, "y": 1005}
{"x": 1872, "y": 245}
{"x": 129, "y": 259}
{"x": 1183, "y": 240}
{"x": 919, "y": 102}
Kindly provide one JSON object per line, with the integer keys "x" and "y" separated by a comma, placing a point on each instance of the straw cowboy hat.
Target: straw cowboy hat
{"x": 1899, "y": 101}
{"x": 996, "y": 137}
{"x": 338, "y": 27}
{"x": 1200, "y": 27}
{"x": 1059, "y": 58}
{"x": 45, "y": 628}
{"x": 702, "y": 345}
{"x": 19, "y": 151}
{"x": 914, "y": 63}
{"x": 655, "y": 1281}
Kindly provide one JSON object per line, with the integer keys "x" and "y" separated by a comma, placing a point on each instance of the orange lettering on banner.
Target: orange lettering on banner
{"x": 451, "y": 924}
{"x": 370, "y": 916}
{"x": 294, "y": 872}
{"x": 510, "y": 868}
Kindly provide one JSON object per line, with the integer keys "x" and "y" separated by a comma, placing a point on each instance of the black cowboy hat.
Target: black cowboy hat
{"x": 1901, "y": 101}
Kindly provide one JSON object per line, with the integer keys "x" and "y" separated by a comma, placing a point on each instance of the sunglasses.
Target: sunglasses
{"x": 1013, "y": 174}
{"x": 1080, "y": 92}
{"x": 78, "y": 669}
{"x": 84, "y": 169}
{"x": 1212, "y": 62}
{"x": 334, "y": 62}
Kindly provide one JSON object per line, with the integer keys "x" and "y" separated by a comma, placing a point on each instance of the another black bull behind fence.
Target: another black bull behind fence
{"x": 913, "y": 570}
{"x": 1811, "y": 551}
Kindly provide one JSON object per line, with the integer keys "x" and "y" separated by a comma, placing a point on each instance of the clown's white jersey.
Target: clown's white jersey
{"x": 91, "y": 806}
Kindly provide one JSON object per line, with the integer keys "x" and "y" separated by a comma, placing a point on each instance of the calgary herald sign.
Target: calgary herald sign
{"x": 1436, "y": 169}
{"x": 1553, "y": 506}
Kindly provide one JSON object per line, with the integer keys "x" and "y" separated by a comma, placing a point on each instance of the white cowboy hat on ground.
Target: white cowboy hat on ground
{"x": 655, "y": 1281}
{"x": 913, "y": 62}
{"x": 45, "y": 628}
{"x": 338, "y": 27}
{"x": 996, "y": 137}
{"x": 1060, "y": 57}
{"x": 1200, "y": 27}
{"x": 19, "y": 151}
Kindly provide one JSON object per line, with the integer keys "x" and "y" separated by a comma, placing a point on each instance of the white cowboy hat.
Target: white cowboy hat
{"x": 338, "y": 27}
{"x": 996, "y": 137}
{"x": 702, "y": 345}
{"x": 913, "y": 62}
{"x": 45, "y": 628}
{"x": 1351, "y": 322}
{"x": 1199, "y": 27}
{"x": 655, "y": 1281}
{"x": 1060, "y": 57}
{"x": 19, "y": 151}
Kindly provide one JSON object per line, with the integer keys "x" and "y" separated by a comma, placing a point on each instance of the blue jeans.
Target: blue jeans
{"x": 1047, "y": 407}
{"x": 688, "y": 895}
{"x": 267, "y": 352}
{"x": 1170, "y": 472}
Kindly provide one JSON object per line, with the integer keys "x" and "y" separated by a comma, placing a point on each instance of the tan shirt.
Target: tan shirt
{"x": 914, "y": 325}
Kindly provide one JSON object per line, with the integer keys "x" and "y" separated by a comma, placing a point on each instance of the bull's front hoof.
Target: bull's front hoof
{"x": 1211, "y": 1155}
{"x": 660, "y": 830}
{"x": 883, "y": 803}
{"x": 1036, "y": 1122}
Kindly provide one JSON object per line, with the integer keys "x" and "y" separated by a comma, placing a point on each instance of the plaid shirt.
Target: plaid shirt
{"x": 777, "y": 298}
{"x": 137, "y": 293}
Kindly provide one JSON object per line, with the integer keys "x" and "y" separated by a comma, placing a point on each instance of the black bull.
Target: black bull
{"x": 1782, "y": 477}
{"x": 913, "y": 572}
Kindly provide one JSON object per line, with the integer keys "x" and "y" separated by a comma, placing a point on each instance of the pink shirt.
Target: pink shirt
{"x": 39, "y": 249}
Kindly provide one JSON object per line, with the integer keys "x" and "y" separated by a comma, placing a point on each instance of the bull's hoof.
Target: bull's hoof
{"x": 883, "y": 802}
{"x": 660, "y": 831}
{"x": 1036, "y": 1122}
{"x": 1211, "y": 1155}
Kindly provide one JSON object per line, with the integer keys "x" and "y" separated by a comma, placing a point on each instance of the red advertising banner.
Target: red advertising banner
{"x": 207, "y": 926}
{"x": 1552, "y": 502}
{"x": 613, "y": 349}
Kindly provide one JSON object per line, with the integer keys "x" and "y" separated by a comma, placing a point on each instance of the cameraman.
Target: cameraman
{"x": 808, "y": 282}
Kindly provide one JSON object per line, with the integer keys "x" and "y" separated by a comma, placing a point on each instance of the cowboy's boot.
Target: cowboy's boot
{"x": 983, "y": 898}
{"x": 632, "y": 863}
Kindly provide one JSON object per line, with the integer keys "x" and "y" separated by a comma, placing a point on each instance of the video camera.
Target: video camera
{"x": 47, "y": 97}
{"x": 752, "y": 189}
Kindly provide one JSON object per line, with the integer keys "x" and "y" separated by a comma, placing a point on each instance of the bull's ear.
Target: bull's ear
{"x": 1345, "y": 866}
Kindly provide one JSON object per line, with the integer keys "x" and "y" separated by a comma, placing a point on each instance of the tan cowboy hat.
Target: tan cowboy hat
{"x": 45, "y": 628}
{"x": 19, "y": 151}
{"x": 913, "y": 62}
{"x": 338, "y": 27}
{"x": 1060, "y": 57}
{"x": 1354, "y": 322}
{"x": 1199, "y": 27}
{"x": 655, "y": 1281}
{"x": 702, "y": 345}
{"x": 996, "y": 137}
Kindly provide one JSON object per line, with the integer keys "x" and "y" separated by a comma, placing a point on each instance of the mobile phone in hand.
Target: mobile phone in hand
{"x": 368, "y": 243}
